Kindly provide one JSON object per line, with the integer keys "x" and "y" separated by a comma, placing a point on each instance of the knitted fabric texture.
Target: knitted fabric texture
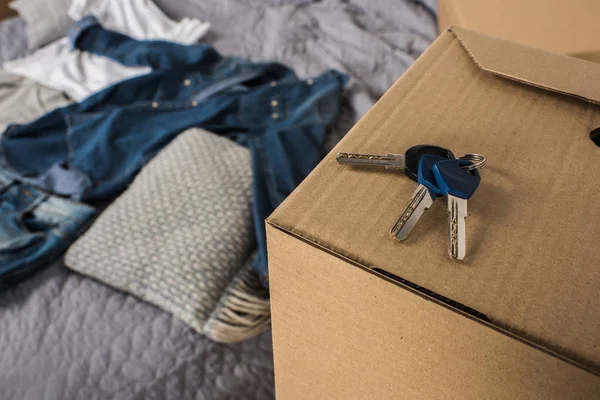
{"x": 181, "y": 233}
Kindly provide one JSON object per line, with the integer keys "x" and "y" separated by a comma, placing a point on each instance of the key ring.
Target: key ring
{"x": 479, "y": 161}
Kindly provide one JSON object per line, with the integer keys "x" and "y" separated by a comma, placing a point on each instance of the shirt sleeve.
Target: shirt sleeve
{"x": 88, "y": 35}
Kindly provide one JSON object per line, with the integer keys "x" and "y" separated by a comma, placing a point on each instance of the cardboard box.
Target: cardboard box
{"x": 5, "y": 10}
{"x": 357, "y": 314}
{"x": 559, "y": 26}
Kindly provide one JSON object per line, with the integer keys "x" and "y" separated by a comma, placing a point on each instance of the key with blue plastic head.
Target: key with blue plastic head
{"x": 421, "y": 199}
{"x": 456, "y": 181}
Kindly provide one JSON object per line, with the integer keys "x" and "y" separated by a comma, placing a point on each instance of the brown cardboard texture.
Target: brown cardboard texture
{"x": 5, "y": 10}
{"x": 357, "y": 314}
{"x": 559, "y": 26}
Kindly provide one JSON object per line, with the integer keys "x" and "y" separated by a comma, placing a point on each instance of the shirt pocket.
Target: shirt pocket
{"x": 262, "y": 109}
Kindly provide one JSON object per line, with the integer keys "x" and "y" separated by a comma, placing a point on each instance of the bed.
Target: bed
{"x": 65, "y": 336}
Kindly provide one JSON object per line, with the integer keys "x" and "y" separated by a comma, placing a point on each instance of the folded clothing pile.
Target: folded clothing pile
{"x": 80, "y": 74}
{"x": 188, "y": 234}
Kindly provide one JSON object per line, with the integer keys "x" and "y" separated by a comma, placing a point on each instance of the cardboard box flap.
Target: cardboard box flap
{"x": 558, "y": 26}
{"x": 555, "y": 72}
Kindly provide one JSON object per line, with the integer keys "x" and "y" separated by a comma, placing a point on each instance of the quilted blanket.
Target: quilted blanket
{"x": 65, "y": 336}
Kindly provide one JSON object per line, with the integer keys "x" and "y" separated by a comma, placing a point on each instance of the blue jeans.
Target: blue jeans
{"x": 35, "y": 228}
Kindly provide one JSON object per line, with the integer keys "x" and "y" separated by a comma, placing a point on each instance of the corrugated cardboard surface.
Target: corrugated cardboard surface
{"x": 559, "y": 26}
{"x": 532, "y": 263}
{"x": 5, "y": 11}
{"x": 340, "y": 332}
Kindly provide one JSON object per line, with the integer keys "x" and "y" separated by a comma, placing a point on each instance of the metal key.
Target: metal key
{"x": 387, "y": 161}
{"x": 459, "y": 185}
{"x": 409, "y": 161}
{"x": 422, "y": 198}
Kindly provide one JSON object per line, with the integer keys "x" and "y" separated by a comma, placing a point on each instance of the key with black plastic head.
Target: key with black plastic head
{"x": 458, "y": 183}
{"x": 408, "y": 162}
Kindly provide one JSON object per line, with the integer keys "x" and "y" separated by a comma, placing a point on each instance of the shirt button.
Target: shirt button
{"x": 194, "y": 103}
{"x": 154, "y": 104}
{"x": 275, "y": 115}
{"x": 274, "y": 103}
{"x": 309, "y": 81}
{"x": 273, "y": 83}
{"x": 187, "y": 82}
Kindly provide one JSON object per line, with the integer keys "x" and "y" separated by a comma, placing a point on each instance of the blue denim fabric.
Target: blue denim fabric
{"x": 91, "y": 150}
{"x": 35, "y": 228}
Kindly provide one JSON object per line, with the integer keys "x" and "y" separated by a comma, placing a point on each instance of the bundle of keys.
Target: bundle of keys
{"x": 438, "y": 174}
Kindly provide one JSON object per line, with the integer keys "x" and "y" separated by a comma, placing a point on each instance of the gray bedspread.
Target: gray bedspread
{"x": 64, "y": 336}
{"x": 13, "y": 39}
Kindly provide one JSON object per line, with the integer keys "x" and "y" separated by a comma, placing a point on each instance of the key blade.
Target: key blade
{"x": 387, "y": 161}
{"x": 420, "y": 201}
{"x": 457, "y": 232}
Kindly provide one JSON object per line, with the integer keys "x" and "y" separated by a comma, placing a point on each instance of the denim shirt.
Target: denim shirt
{"x": 91, "y": 150}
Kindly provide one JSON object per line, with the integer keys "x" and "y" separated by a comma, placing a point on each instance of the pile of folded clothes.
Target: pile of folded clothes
{"x": 191, "y": 151}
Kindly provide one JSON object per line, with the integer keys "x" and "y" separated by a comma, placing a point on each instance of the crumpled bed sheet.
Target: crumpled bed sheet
{"x": 64, "y": 336}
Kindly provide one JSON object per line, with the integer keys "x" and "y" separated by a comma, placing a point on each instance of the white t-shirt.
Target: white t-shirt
{"x": 79, "y": 74}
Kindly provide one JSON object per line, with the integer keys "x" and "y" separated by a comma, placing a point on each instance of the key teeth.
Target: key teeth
{"x": 456, "y": 228}
{"x": 420, "y": 201}
{"x": 396, "y": 231}
{"x": 385, "y": 161}
{"x": 452, "y": 228}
